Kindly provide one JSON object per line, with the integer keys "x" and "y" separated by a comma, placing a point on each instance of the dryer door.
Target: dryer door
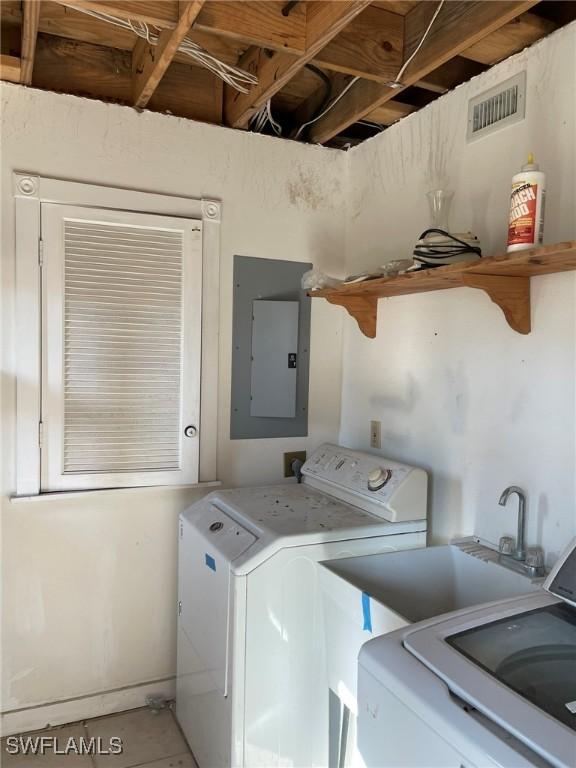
{"x": 208, "y": 546}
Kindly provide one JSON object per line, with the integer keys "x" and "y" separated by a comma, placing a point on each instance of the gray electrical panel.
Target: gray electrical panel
{"x": 270, "y": 352}
{"x": 274, "y": 358}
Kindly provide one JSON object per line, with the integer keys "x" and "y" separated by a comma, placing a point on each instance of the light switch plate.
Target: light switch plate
{"x": 375, "y": 434}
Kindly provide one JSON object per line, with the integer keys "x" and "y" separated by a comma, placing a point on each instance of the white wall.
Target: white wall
{"x": 90, "y": 585}
{"x": 456, "y": 389}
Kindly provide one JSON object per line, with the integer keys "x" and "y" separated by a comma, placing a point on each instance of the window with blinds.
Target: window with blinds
{"x": 121, "y": 348}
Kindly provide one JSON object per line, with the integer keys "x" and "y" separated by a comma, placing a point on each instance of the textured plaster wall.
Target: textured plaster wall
{"x": 456, "y": 390}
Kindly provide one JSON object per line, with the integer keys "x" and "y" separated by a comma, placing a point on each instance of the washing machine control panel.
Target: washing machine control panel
{"x": 359, "y": 473}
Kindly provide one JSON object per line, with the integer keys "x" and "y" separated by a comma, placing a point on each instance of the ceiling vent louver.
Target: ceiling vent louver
{"x": 498, "y": 107}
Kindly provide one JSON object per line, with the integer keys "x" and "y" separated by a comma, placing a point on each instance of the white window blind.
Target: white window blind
{"x": 121, "y": 348}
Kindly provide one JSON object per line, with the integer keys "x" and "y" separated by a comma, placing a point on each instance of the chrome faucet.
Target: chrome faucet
{"x": 520, "y": 551}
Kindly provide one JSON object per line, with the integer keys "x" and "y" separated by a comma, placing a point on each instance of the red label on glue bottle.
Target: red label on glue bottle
{"x": 526, "y": 221}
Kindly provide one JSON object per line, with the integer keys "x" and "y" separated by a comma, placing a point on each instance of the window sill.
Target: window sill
{"x": 98, "y": 493}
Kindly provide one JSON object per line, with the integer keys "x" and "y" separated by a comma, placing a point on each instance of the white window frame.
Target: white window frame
{"x": 30, "y": 191}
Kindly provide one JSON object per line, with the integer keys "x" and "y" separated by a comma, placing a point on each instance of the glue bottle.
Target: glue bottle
{"x": 526, "y": 223}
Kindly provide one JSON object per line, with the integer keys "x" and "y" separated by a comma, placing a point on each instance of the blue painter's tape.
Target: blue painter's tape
{"x": 210, "y": 562}
{"x": 366, "y": 612}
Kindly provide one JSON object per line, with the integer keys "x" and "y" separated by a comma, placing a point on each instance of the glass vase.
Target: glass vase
{"x": 440, "y": 201}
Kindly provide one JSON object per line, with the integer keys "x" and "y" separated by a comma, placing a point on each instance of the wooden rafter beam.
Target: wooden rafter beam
{"x": 67, "y": 22}
{"x": 30, "y": 17}
{"x": 459, "y": 26}
{"x": 10, "y": 67}
{"x": 369, "y": 46}
{"x": 368, "y": 57}
{"x": 512, "y": 37}
{"x": 391, "y": 112}
{"x": 450, "y": 74}
{"x": 254, "y": 22}
{"x": 324, "y": 20}
{"x": 103, "y": 73}
{"x": 257, "y": 22}
{"x": 150, "y": 62}
{"x": 163, "y": 15}
{"x": 401, "y": 7}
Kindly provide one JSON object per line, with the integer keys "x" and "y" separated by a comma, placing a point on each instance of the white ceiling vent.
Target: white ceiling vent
{"x": 502, "y": 105}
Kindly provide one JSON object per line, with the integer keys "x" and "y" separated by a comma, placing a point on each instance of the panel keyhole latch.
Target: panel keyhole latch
{"x": 190, "y": 431}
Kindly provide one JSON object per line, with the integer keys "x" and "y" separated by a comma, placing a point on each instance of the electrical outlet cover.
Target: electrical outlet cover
{"x": 289, "y": 458}
{"x": 375, "y": 434}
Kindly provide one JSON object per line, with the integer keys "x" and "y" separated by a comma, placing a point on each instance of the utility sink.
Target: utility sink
{"x": 420, "y": 583}
{"x": 363, "y": 597}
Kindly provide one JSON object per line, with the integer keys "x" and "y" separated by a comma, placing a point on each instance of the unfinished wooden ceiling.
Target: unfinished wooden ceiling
{"x": 329, "y": 64}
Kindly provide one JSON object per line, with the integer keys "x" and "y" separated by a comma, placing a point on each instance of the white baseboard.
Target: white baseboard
{"x": 83, "y": 707}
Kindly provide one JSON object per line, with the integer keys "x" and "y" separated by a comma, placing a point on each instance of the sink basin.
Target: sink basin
{"x": 420, "y": 583}
{"x": 363, "y": 597}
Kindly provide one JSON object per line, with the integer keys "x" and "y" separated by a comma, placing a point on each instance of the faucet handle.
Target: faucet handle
{"x": 506, "y": 545}
{"x": 535, "y": 557}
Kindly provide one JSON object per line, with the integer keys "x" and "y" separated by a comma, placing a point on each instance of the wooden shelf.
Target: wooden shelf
{"x": 505, "y": 278}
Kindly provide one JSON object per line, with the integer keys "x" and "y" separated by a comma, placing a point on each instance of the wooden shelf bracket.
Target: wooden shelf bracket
{"x": 362, "y": 308}
{"x": 511, "y": 294}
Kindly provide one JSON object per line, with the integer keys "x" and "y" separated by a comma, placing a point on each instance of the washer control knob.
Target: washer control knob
{"x": 378, "y": 478}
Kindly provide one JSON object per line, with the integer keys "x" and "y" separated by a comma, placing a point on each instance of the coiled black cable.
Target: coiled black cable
{"x": 425, "y": 254}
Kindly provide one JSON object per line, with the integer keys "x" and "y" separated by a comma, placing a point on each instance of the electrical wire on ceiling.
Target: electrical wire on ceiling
{"x": 235, "y": 77}
{"x": 264, "y": 117}
{"x": 325, "y": 111}
{"x": 397, "y": 82}
{"x": 372, "y": 124}
{"x": 393, "y": 84}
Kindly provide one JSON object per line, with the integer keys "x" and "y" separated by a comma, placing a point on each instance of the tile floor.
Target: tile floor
{"x": 149, "y": 740}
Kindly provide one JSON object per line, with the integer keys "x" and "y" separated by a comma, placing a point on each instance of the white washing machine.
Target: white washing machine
{"x": 491, "y": 686}
{"x": 252, "y": 684}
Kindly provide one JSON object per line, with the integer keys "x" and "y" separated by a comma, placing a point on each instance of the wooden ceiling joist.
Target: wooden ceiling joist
{"x": 450, "y": 74}
{"x": 390, "y": 112}
{"x": 163, "y": 15}
{"x": 10, "y": 68}
{"x": 255, "y": 22}
{"x": 62, "y": 21}
{"x": 30, "y": 17}
{"x": 369, "y": 46}
{"x": 150, "y": 62}
{"x": 324, "y": 20}
{"x": 512, "y": 37}
{"x": 401, "y": 7}
{"x": 98, "y": 72}
{"x": 459, "y": 26}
